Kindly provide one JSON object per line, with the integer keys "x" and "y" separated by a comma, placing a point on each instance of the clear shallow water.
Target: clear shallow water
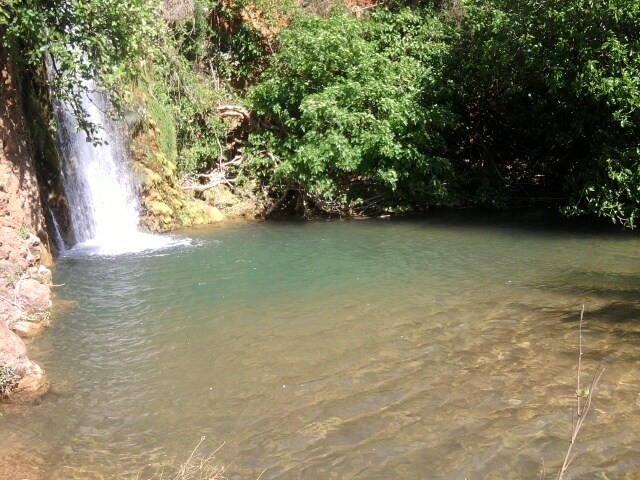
{"x": 366, "y": 350}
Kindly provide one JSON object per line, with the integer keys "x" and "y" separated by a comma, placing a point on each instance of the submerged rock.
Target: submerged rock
{"x": 33, "y": 384}
{"x": 27, "y": 328}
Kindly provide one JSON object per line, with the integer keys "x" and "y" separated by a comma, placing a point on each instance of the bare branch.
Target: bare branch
{"x": 581, "y": 415}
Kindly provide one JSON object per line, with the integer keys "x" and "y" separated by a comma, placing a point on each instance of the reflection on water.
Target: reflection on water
{"x": 365, "y": 350}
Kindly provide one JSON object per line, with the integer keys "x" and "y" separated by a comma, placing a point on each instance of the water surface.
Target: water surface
{"x": 441, "y": 348}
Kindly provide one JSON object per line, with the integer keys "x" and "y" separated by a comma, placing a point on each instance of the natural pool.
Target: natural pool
{"x": 428, "y": 348}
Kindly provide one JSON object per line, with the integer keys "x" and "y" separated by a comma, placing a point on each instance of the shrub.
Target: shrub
{"x": 548, "y": 102}
{"x": 355, "y": 110}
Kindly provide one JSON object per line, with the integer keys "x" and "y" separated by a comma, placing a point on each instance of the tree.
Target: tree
{"x": 548, "y": 100}
{"x": 80, "y": 40}
{"x": 353, "y": 113}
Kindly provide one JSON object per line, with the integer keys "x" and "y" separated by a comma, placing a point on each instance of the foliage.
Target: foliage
{"x": 240, "y": 38}
{"x": 158, "y": 114}
{"x": 410, "y": 103}
{"x": 548, "y": 97}
{"x": 353, "y": 111}
{"x": 230, "y": 39}
{"x": 610, "y": 187}
{"x": 91, "y": 39}
{"x": 190, "y": 100}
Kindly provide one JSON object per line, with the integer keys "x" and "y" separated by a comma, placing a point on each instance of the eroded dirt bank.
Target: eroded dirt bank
{"x": 24, "y": 279}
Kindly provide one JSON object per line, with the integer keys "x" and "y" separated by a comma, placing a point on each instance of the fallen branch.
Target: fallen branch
{"x": 237, "y": 111}
{"x": 331, "y": 208}
{"x": 276, "y": 205}
{"x": 201, "y": 188}
{"x": 218, "y": 177}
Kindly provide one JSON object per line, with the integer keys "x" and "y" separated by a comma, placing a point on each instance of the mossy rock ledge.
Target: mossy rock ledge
{"x": 164, "y": 205}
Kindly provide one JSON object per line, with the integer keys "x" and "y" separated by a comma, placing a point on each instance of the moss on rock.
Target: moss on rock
{"x": 165, "y": 205}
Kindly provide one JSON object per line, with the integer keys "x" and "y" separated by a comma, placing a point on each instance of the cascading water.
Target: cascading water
{"x": 57, "y": 236}
{"x": 101, "y": 196}
{"x": 101, "y": 199}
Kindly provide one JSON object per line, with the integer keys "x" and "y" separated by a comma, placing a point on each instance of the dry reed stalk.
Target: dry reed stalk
{"x": 581, "y": 410}
{"x": 200, "y": 467}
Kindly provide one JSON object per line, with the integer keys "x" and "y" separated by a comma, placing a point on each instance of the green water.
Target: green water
{"x": 442, "y": 348}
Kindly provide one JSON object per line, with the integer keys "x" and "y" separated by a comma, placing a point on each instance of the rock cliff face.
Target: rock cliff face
{"x": 24, "y": 280}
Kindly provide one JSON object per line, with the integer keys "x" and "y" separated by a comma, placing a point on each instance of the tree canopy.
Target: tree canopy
{"x": 79, "y": 41}
{"x": 377, "y": 107}
{"x": 486, "y": 102}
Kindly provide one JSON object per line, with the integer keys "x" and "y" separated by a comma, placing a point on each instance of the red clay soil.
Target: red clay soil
{"x": 24, "y": 289}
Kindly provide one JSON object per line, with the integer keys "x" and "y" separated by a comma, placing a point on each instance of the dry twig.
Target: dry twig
{"x": 200, "y": 467}
{"x": 581, "y": 410}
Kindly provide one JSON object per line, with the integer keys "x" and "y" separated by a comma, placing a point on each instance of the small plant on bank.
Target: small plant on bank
{"x": 24, "y": 232}
{"x": 39, "y": 317}
{"x": 7, "y": 379}
{"x": 199, "y": 466}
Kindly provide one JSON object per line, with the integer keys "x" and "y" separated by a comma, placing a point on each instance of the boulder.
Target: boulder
{"x": 30, "y": 382}
{"x": 34, "y": 295}
{"x": 28, "y": 329}
{"x": 13, "y": 351}
{"x": 213, "y": 213}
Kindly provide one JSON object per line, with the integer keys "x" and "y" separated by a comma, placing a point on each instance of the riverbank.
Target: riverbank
{"x": 25, "y": 281}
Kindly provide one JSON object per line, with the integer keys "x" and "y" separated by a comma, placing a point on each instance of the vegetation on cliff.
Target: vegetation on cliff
{"x": 24, "y": 281}
{"x": 93, "y": 39}
{"x": 366, "y": 108}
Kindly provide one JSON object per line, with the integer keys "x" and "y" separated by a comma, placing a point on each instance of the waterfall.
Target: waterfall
{"x": 57, "y": 236}
{"x": 98, "y": 187}
{"x": 101, "y": 195}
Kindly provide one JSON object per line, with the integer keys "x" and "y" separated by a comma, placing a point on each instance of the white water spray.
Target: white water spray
{"x": 101, "y": 195}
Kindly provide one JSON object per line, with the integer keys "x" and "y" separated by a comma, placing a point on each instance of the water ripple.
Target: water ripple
{"x": 367, "y": 350}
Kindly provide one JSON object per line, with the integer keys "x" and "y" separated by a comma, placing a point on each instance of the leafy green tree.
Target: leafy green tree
{"x": 81, "y": 40}
{"x": 353, "y": 113}
{"x": 548, "y": 96}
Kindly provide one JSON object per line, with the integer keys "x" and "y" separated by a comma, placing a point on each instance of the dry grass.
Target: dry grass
{"x": 200, "y": 466}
